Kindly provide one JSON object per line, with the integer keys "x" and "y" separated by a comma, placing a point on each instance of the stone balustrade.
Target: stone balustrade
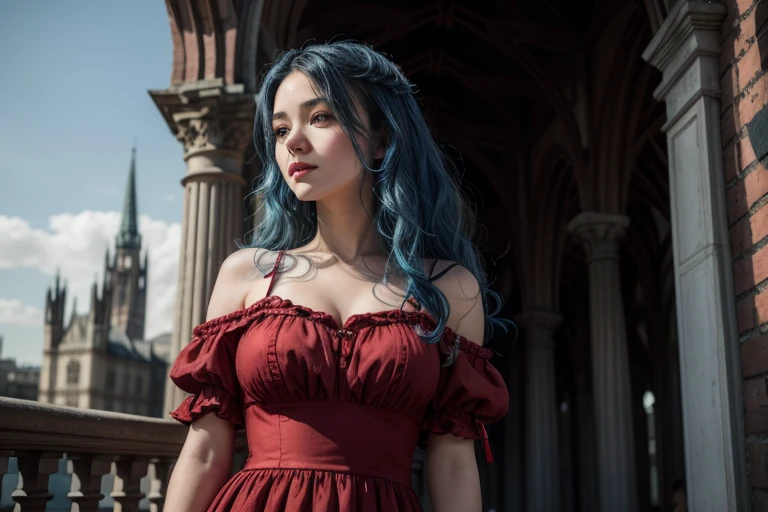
{"x": 94, "y": 443}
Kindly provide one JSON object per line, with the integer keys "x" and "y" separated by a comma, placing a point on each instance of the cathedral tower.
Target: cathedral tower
{"x": 53, "y": 333}
{"x": 126, "y": 277}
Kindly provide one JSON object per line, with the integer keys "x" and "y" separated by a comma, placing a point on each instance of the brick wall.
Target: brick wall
{"x": 744, "y": 117}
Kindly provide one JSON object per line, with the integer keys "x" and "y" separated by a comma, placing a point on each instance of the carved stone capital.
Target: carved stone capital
{"x": 210, "y": 131}
{"x": 208, "y": 117}
{"x": 539, "y": 326}
{"x": 599, "y": 233}
{"x": 686, "y": 49}
{"x": 692, "y": 28}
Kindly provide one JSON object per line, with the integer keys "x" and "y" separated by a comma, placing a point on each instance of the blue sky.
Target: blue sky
{"x": 75, "y": 76}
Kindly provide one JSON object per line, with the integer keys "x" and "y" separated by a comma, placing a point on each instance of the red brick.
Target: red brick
{"x": 736, "y": 201}
{"x": 755, "y": 406}
{"x": 749, "y": 66}
{"x": 758, "y": 464}
{"x": 745, "y": 314}
{"x": 727, "y": 83}
{"x": 751, "y": 270}
{"x": 753, "y": 101}
{"x": 742, "y": 275}
{"x": 745, "y": 36}
{"x": 743, "y": 5}
{"x": 744, "y": 194}
{"x": 748, "y": 231}
{"x": 761, "y": 308}
{"x": 740, "y": 236}
{"x": 729, "y": 125}
{"x": 758, "y": 224}
{"x": 731, "y": 15}
{"x": 746, "y": 153}
{"x": 728, "y": 51}
{"x": 730, "y": 162}
{"x": 754, "y": 356}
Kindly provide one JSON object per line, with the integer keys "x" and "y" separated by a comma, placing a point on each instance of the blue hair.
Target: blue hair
{"x": 421, "y": 212}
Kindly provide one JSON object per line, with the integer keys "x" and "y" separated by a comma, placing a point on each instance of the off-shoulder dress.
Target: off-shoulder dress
{"x": 332, "y": 413}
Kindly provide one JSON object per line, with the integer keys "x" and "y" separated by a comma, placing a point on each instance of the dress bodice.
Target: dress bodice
{"x": 350, "y": 399}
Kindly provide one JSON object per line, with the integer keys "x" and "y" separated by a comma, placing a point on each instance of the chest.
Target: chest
{"x": 379, "y": 360}
{"x": 340, "y": 292}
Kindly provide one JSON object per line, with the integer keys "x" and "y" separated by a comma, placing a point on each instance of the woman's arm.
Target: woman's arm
{"x": 205, "y": 460}
{"x": 203, "y": 465}
{"x": 453, "y": 480}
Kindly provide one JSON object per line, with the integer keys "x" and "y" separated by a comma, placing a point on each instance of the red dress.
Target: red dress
{"x": 332, "y": 413}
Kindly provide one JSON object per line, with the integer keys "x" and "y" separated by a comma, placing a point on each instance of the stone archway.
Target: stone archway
{"x": 495, "y": 79}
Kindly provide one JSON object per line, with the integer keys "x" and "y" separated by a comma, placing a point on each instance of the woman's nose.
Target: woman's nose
{"x": 297, "y": 142}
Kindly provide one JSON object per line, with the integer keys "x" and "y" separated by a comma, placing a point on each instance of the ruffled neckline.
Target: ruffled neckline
{"x": 356, "y": 321}
{"x": 277, "y": 305}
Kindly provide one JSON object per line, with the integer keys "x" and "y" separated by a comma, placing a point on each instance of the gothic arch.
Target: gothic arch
{"x": 552, "y": 199}
{"x": 622, "y": 91}
{"x": 266, "y": 27}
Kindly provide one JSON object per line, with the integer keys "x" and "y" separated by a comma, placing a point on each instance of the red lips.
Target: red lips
{"x": 299, "y": 166}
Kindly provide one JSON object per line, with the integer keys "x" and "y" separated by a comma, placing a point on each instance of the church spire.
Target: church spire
{"x": 128, "y": 237}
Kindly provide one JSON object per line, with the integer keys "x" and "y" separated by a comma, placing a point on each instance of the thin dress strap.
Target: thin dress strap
{"x": 412, "y": 299}
{"x": 272, "y": 273}
{"x": 432, "y": 268}
{"x": 441, "y": 273}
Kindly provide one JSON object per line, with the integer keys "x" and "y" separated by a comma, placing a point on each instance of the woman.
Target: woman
{"x": 342, "y": 333}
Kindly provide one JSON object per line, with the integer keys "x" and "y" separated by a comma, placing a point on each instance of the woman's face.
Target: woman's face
{"x": 315, "y": 156}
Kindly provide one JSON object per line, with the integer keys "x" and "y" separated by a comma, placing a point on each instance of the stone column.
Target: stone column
{"x": 214, "y": 124}
{"x": 600, "y": 235}
{"x": 585, "y": 428}
{"x": 542, "y": 468}
{"x": 686, "y": 49}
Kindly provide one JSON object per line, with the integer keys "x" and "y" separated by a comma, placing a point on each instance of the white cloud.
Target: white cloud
{"x": 13, "y": 312}
{"x": 76, "y": 243}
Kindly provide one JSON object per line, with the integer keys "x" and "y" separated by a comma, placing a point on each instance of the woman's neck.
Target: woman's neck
{"x": 346, "y": 225}
{"x": 346, "y": 231}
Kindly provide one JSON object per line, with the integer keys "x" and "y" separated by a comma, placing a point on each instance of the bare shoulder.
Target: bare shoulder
{"x": 237, "y": 271}
{"x": 462, "y": 290}
{"x": 242, "y": 263}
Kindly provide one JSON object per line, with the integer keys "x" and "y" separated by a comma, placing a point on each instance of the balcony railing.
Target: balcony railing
{"x": 97, "y": 443}
{"x": 94, "y": 443}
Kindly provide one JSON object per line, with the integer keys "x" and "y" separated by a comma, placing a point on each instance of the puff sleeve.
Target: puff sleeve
{"x": 470, "y": 393}
{"x": 206, "y": 369}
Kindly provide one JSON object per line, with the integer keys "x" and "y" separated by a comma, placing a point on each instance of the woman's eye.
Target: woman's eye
{"x": 321, "y": 118}
{"x": 281, "y": 132}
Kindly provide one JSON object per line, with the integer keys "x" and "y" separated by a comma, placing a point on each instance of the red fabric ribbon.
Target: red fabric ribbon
{"x": 486, "y": 444}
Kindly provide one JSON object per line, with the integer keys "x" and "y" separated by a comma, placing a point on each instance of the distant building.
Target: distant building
{"x": 100, "y": 360}
{"x": 18, "y": 381}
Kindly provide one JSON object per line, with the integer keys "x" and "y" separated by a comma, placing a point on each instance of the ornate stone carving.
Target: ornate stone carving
{"x": 539, "y": 326}
{"x": 599, "y": 233}
{"x": 206, "y": 131}
{"x": 208, "y": 115}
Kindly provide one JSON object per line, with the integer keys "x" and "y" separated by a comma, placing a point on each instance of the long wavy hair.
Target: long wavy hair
{"x": 420, "y": 210}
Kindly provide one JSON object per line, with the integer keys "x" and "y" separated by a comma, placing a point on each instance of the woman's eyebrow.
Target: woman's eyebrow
{"x": 304, "y": 106}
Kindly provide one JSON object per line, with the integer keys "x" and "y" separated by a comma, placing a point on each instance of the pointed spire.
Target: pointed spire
{"x": 94, "y": 292}
{"x": 129, "y": 237}
{"x": 74, "y": 311}
{"x": 48, "y": 306}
